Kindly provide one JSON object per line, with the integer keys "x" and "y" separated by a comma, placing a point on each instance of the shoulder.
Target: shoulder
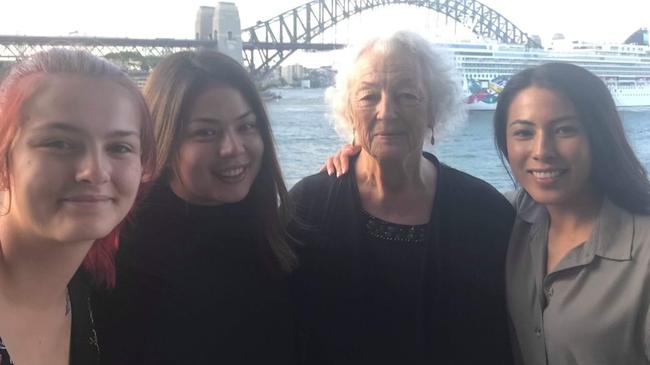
{"x": 469, "y": 190}
{"x": 641, "y": 229}
{"x": 312, "y": 196}
{"x": 313, "y": 183}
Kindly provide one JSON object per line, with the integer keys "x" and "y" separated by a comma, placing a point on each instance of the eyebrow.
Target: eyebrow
{"x": 66, "y": 127}
{"x": 367, "y": 84}
{"x": 123, "y": 133}
{"x": 556, "y": 120}
{"x": 217, "y": 120}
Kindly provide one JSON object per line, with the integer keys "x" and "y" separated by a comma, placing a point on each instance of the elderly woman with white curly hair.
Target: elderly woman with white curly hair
{"x": 402, "y": 258}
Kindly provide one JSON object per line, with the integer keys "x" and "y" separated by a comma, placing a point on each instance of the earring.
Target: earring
{"x": 354, "y": 136}
{"x": 433, "y": 138}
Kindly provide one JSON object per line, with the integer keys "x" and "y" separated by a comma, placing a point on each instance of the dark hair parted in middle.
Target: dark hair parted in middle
{"x": 170, "y": 92}
{"x": 616, "y": 170}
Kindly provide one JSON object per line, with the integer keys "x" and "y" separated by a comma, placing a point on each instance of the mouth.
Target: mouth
{"x": 547, "y": 175}
{"x": 87, "y": 199}
{"x": 87, "y": 203}
{"x": 231, "y": 174}
{"x": 389, "y": 134}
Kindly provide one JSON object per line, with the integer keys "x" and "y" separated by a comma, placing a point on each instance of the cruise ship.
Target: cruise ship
{"x": 486, "y": 68}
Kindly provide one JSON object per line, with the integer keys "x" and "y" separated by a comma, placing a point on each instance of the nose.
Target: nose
{"x": 93, "y": 167}
{"x": 386, "y": 107}
{"x": 231, "y": 144}
{"x": 543, "y": 147}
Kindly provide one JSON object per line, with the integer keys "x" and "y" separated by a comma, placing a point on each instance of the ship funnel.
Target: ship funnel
{"x": 640, "y": 37}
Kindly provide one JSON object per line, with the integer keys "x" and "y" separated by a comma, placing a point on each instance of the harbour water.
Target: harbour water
{"x": 305, "y": 137}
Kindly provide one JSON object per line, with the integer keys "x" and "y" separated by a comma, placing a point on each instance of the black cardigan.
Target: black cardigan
{"x": 84, "y": 345}
{"x": 193, "y": 288}
{"x": 462, "y": 311}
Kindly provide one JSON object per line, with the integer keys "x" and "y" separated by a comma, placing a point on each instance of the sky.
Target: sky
{"x": 588, "y": 20}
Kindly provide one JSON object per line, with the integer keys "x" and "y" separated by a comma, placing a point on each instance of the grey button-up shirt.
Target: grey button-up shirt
{"x": 593, "y": 308}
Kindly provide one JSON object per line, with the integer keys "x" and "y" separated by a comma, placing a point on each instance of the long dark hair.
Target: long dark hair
{"x": 170, "y": 91}
{"x": 616, "y": 170}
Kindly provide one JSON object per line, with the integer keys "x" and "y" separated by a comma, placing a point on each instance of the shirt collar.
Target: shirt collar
{"x": 613, "y": 234}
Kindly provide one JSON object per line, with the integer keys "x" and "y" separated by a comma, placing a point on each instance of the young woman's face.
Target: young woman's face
{"x": 548, "y": 149}
{"x": 221, "y": 149}
{"x": 75, "y": 164}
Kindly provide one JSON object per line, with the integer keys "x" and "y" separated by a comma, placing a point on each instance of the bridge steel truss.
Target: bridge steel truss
{"x": 14, "y": 48}
{"x": 270, "y": 42}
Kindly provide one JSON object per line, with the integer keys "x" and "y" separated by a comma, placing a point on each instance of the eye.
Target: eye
{"x": 120, "y": 148}
{"x": 59, "y": 145}
{"x": 250, "y": 126}
{"x": 408, "y": 98}
{"x": 368, "y": 98}
{"x": 204, "y": 133}
{"x": 566, "y": 130}
{"x": 522, "y": 133}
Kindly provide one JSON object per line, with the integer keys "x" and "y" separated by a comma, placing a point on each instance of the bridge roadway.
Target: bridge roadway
{"x": 17, "y": 47}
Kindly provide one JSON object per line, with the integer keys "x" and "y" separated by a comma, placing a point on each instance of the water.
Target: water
{"x": 305, "y": 138}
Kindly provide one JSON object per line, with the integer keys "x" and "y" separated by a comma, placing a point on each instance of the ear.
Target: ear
{"x": 147, "y": 177}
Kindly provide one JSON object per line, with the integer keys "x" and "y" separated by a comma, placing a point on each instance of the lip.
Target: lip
{"x": 389, "y": 134}
{"x": 231, "y": 174}
{"x": 547, "y": 175}
{"x": 87, "y": 198}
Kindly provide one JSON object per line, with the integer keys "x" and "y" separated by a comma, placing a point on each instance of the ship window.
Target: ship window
{"x": 229, "y": 35}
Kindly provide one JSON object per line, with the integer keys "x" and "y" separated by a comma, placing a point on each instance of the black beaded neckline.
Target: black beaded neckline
{"x": 380, "y": 229}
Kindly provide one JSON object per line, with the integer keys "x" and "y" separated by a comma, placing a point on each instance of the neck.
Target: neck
{"x": 34, "y": 274}
{"x": 393, "y": 176}
{"x": 579, "y": 214}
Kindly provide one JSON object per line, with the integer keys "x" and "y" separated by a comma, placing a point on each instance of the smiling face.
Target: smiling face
{"x": 548, "y": 149}
{"x": 389, "y": 105}
{"x": 220, "y": 152}
{"x": 75, "y": 163}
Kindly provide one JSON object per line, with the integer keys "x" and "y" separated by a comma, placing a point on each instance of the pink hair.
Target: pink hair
{"x": 22, "y": 82}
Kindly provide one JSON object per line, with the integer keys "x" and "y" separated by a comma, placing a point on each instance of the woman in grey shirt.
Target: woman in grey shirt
{"x": 579, "y": 255}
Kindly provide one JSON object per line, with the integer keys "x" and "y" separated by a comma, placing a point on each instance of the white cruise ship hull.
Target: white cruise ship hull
{"x": 486, "y": 68}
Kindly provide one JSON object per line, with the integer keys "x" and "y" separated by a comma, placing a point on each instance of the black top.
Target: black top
{"x": 192, "y": 288}
{"x": 393, "y": 270}
{"x": 84, "y": 347}
{"x": 454, "y": 311}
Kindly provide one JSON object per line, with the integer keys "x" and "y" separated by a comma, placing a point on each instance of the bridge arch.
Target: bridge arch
{"x": 268, "y": 43}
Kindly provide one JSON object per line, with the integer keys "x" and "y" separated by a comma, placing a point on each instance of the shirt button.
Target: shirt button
{"x": 538, "y": 332}
{"x": 548, "y": 292}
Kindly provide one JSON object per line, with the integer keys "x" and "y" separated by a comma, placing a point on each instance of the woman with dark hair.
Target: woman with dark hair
{"x": 201, "y": 273}
{"x": 579, "y": 257}
{"x": 76, "y": 141}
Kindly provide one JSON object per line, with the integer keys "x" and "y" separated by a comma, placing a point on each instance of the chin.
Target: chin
{"x": 235, "y": 197}
{"x": 84, "y": 232}
{"x": 548, "y": 197}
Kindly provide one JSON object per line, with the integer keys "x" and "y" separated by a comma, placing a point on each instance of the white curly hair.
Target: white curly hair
{"x": 443, "y": 83}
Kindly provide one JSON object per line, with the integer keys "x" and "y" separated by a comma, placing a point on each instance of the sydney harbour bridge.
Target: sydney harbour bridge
{"x": 265, "y": 45}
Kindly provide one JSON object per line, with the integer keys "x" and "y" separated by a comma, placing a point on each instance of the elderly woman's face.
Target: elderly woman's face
{"x": 389, "y": 105}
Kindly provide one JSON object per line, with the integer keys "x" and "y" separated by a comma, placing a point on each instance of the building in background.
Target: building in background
{"x": 221, "y": 23}
{"x": 292, "y": 74}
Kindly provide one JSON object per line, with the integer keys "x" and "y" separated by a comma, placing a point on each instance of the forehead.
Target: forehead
{"x": 219, "y": 101}
{"x": 540, "y": 105}
{"x": 381, "y": 64}
{"x": 81, "y": 100}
